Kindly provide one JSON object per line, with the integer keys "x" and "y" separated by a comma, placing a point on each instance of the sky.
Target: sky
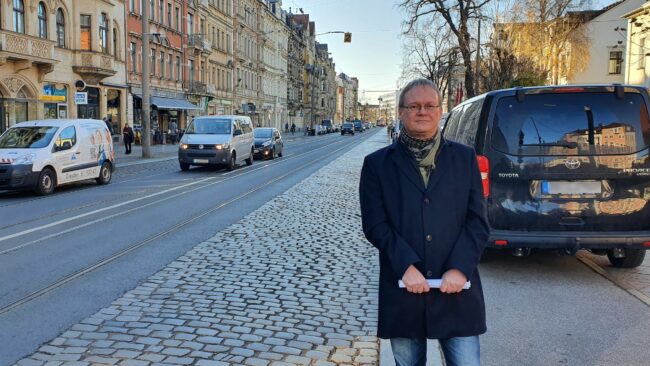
{"x": 375, "y": 54}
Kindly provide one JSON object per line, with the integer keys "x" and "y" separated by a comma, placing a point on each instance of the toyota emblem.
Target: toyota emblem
{"x": 201, "y": 148}
{"x": 572, "y": 163}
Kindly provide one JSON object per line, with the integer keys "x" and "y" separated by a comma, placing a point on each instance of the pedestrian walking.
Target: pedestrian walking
{"x": 128, "y": 136}
{"x": 107, "y": 120}
{"x": 293, "y": 129}
{"x": 173, "y": 131}
{"x": 286, "y": 127}
{"x": 422, "y": 207}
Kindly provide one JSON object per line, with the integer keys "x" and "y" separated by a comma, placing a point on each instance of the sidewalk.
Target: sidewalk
{"x": 165, "y": 152}
{"x": 295, "y": 289}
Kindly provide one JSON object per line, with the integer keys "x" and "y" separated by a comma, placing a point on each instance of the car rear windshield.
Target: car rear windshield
{"x": 571, "y": 124}
{"x": 348, "y": 125}
{"x": 27, "y": 137}
{"x": 263, "y": 133}
{"x": 209, "y": 126}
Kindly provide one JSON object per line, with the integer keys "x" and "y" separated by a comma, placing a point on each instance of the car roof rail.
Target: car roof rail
{"x": 520, "y": 94}
{"x": 619, "y": 90}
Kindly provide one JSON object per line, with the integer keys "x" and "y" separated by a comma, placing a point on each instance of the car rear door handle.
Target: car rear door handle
{"x": 77, "y": 153}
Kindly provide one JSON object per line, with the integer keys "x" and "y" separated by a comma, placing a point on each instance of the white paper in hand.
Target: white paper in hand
{"x": 436, "y": 283}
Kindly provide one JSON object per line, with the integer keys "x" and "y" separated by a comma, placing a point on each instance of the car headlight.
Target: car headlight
{"x": 266, "y": 144}
{"x": 25, "y": 159}
{"x": 222, "y": 146}
{"x": 184, "y": 146}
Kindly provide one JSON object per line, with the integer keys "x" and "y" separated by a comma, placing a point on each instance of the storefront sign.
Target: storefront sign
{"x": 54, "y": 93}
{"x": 81, "y": 97}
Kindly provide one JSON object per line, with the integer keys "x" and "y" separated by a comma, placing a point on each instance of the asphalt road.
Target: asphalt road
{"x": 65, "y": 256}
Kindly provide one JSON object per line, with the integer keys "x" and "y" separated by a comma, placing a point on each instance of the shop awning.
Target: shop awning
{"x": 169, "y": 103}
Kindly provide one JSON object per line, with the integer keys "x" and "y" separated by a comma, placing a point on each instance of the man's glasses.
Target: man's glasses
{"x": 417, "y": 108}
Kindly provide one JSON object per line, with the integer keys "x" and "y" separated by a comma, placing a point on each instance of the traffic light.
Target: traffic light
{"x": 347, "y": 37}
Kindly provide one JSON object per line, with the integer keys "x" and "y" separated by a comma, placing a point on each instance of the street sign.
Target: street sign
{"x": 81, "y": 98}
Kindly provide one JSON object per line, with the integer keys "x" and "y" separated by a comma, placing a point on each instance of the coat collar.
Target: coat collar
{"x": 407, "y": 165}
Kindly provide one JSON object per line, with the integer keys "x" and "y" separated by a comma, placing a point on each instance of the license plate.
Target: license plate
{"x": 564, "y": 187}
{"x": 256, "y": 151}
{"x": 201, "y": 161}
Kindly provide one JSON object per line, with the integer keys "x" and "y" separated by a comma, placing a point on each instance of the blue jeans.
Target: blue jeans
{"x": 458, "y": 351}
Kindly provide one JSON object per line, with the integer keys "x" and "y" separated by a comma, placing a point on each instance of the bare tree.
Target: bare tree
{"x": 428, "y": 53}
{"x": 458, "y": 16}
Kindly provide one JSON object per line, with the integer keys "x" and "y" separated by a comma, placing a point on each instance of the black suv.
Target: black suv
{"x": 358, "y": 126}
{"x": 346, "y": 128}
{"x": 563, "y": 167}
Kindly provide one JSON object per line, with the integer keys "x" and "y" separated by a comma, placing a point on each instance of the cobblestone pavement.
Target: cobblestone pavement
{"x": 636, "y": 281}
{"x": 293, "y": 283}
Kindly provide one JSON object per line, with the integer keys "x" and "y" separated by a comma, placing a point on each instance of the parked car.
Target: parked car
{"x": 320, "y": 129}
{"x": 563, "y": 167}
{"x": 397, "y": 127}
{"x": 217, "y": 140}
{"x": 358, "y": 126}
{"x": 327, "y": 123}
{"x": 268, "y": 142}
{"x": 44, "y": 154}
{"x": 347, "y": 128}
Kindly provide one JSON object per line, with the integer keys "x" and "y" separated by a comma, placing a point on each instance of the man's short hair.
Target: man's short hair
{"x": 414, "y": 84}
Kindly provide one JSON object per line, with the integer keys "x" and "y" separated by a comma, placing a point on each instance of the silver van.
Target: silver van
{"x": 217, "y": 140}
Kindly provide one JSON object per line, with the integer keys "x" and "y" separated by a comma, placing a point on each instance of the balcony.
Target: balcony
{"x": 199, "y": 43}
{"x": 27, "y": 51}
{"x": 93, "y": 66}
{"x": 195, "y": 87}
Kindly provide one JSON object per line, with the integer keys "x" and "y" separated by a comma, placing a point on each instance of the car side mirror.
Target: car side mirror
{"x": 65, "y": 146}
{"x": 237, "y": 133}
{"x": 277, "y": 137}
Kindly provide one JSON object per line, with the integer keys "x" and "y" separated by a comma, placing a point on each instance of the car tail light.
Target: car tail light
{"x": 568, "y": 90}
{"x": 501, "y": 242}
{"x": 646, "y": 244}
{"x": 484, "y": 168}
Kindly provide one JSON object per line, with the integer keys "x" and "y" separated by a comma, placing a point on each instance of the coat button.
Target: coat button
{"x": 429, "y": 273}
{"x": 429, "y": 237}
{"x": 426, "y": 201}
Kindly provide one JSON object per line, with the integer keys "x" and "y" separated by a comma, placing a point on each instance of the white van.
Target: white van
{"x": 41, "y": 155}
{"x": 217, "y": 140}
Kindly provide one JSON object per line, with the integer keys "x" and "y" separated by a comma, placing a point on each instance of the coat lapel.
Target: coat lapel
{"x": 406, "y": 165}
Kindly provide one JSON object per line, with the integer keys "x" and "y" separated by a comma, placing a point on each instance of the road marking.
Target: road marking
{"x": 601, "y": 271}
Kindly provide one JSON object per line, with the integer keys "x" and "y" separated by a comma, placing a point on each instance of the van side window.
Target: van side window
{"x": 236, "y": 125}
{"x": 66, "y": 140}
{"x": 469, "y": 122}
{"x": 245, "y": 126}
{"x": 451, "y": 127}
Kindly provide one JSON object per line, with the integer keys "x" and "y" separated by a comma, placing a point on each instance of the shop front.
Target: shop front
{"x": 55, "y": 101}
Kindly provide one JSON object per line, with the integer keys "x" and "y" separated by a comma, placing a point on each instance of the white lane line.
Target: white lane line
{"x": 38, "y": 228}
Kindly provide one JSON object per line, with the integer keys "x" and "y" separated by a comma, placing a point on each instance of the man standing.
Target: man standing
{"x": 173, "y": 131}
{"x": 422, "y": 206}
{"x": 128, "y": 136}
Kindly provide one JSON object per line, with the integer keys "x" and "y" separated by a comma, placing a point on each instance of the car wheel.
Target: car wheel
{"x": 46, "y": 182}
{"x": 273, "y": 153}
{"x": 280, "y": 153}
{"x": 105, "y": 173}
{"x": 249, "y": 161}
{"x": 233, "y": 161}
{"x": 185, "y": 167}
{"x": 633, "y": 258}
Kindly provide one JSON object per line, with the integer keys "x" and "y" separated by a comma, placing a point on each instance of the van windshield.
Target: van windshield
{"x": 209, "y": 126}
{"x": 571, "y": 124}
{"x": 27, "y": 137}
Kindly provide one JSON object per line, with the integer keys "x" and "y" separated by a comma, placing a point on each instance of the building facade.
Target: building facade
{"x": 62, "y": 59}
{"x": 246, "y": 78}
{"x": 274, "y": 39}
{"x": 295, "y": 69}
{"x": 637, "y": 71}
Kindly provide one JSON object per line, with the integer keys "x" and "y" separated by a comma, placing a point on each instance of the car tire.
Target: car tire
{"x": 280, "y": 153}
{"x": 46, "y": 182}
{"x": 105, "y": 174}
{"x": 273, "y": 154}
{"x": 233, "y": 161}
{"x": 185, "y": 167}
{"x": 249, "y": 161}
{"x": 633, "y": 258}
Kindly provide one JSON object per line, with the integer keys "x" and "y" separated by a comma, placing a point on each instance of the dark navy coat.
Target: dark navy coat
{"x": 436, "y": 228}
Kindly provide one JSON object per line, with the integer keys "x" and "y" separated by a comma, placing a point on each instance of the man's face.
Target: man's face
{"x": 421, "y": 112}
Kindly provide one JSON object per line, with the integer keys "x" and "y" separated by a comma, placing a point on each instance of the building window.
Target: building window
{"x": 162, "y": 64}
{"x": 169, "y": 15}
{"x": 615, "y": 62}
{"x": 152, "y": 62}
{"x": 178, "y": 18}
{"x": 170, "y": 67}
{"x": 203, "y": 71}
{"x": 191, "y": 70}
{"x": 133, "y": 58}
{"x": 60, "y": 28}
{"x": 190, "y": 23}
{"x": 103, "y": 33}
{"x": 19, "y": 16}
{"x": 178, "y": 68}
{"x": 42, "y": 21}
{"x": 160, "y": 11}
{"x": 132, "y": 6}
{"x": 85, "y": 32}
{"x": 152, "y": 9}
{"x": 115, "y": 51}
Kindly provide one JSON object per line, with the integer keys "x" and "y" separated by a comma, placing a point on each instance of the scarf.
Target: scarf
{"x": 424, "y": 152}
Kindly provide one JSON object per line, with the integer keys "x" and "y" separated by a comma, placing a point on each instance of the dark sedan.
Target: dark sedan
{"x": 346, "y": 128}
{"x": 268, "y": 143}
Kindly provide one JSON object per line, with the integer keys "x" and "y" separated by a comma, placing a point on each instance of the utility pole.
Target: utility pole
{"x": 146, "y": 134}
